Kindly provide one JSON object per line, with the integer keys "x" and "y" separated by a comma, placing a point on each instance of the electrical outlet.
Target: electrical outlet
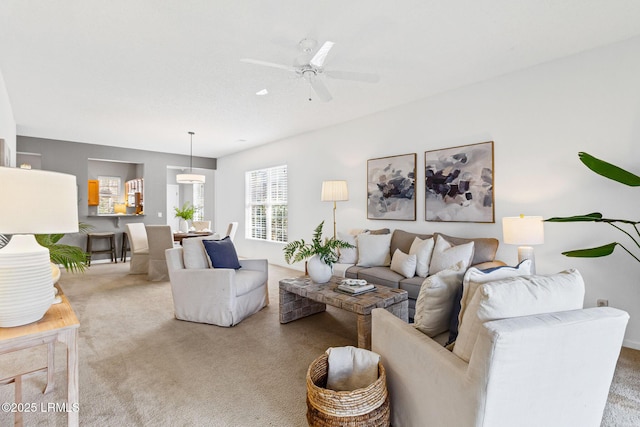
{"x": 602, "y": 303}
{"x": 159, "y": 214}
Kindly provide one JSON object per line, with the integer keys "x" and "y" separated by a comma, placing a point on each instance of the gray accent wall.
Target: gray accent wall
{"x": 73, "y": 158}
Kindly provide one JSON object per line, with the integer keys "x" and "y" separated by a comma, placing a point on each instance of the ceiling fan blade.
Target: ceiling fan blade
{"x": 267, "y": 64}
{"x": 321, "y": 54}
{"x": 320, "y": 89}
{"x": 353, "y": 75}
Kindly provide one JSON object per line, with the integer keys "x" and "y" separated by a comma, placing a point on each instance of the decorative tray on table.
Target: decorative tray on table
{"x": 355, "y": 286}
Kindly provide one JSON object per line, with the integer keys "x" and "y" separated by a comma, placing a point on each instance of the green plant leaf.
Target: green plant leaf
{"x": 592, "y": 217}
{"x": 609, "y": 171}
{"x": 72, "y": 258}
{"x": 595, "y": 216}
{"x": 185, "y": 212}
{"x": 599, "y": 251}
{"x": 299, "y": 250}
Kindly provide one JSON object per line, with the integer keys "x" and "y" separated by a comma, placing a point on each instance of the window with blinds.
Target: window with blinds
{"x": 266, "y": 210}
{"x": 109, "y": 193}
{"x": 198, "y": 201}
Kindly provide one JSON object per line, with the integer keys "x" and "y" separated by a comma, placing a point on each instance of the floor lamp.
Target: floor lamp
{"x": 33, "y": 202}
{"x": 334, "y": 191}
{"x": 524, "y": 231}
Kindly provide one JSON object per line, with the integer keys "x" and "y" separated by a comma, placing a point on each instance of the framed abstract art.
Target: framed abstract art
{"x": 459, "y": 184}
{"x": 391, "y": 187}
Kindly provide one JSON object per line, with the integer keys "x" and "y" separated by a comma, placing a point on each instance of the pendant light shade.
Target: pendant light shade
{"x": 190, "y": 178}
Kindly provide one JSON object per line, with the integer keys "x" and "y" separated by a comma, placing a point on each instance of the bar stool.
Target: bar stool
{"x": 112, "y": 245}
{"x": 124, "y": 247}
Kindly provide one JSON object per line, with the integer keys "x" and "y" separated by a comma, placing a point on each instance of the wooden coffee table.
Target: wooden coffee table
{"x": 301, "y": 297}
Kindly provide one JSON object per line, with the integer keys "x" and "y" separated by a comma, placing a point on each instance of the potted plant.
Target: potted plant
{"x": 622, "y": 176}
{"x": 322, "y": 254}
{"x": 185, "y": 213}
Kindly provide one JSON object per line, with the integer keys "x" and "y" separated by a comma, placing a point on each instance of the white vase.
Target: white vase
{"x": 319, "y": 272}
{"x": 184, "y": 226}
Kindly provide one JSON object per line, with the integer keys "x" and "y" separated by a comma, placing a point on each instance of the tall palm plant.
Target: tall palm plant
{"x": 628, "y": 227}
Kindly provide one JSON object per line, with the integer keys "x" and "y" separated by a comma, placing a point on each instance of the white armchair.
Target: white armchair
{"x": 218, "y": 296}
{"x": 551, "y": 369}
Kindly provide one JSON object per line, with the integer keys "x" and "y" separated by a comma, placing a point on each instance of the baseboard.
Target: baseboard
{"x": 631, "y": 344}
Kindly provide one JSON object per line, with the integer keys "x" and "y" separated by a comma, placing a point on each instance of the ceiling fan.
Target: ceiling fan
{"x": 311, "y": 70}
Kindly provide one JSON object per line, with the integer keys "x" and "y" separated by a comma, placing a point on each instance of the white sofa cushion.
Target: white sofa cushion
{"x": 193, "y": 252}
{"x": 373, "y": 250}
{"x": 248, "y": 280}
{"x": 474, "y": 277}
{"x": 435, "y": 300}
{"x": 446, "y": 255}
{"x": 422, "y": 249}
{"x": 518, "y": 296}
{"x": 348, "y": 255}
{"x": 404, "y": 264}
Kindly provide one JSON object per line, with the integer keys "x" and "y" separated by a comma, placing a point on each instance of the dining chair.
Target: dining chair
{"x": 201, "y": 225}
{"x": 231, "y": 230}
{"x": 137, "y": 236}
{"x": 159, "y": 238}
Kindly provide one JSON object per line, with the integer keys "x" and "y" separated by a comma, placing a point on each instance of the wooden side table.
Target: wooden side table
{"x": 58, "y": 324}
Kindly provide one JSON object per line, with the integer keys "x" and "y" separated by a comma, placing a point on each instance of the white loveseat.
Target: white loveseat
{"x": 551, "y": 369}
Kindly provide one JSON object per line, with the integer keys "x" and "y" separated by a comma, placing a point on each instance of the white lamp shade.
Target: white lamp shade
{"x": 190, "y": 178}
{"x": 37, "y": 202}
{"x": 334, "y": 191}
{"x": 523, "y": 230}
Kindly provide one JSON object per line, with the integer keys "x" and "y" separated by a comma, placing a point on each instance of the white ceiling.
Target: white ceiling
{"x": 141, "y": 74}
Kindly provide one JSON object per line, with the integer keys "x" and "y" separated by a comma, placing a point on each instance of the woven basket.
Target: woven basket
{"x": 367, "y": 406}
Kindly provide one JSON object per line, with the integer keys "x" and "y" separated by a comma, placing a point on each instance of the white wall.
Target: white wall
{"x": 539, "y": 118}
{"x": 7, "y": 121}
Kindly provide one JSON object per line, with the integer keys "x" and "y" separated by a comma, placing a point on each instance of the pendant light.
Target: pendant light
{"x": 190, "y": 178}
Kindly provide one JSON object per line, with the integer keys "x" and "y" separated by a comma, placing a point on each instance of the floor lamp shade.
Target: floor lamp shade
{"x": 36, "y": 202}
{"x": 334, "y": 191}
{"x": 524, "y": 231}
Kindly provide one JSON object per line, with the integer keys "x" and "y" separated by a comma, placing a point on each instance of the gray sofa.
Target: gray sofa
{"x": 483, "y": 257}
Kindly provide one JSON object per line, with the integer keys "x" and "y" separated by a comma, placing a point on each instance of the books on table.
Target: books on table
{"x": 355, "y": 286}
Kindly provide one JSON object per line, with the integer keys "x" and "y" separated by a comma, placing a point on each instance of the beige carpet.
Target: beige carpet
{"x": 141, "y": 367}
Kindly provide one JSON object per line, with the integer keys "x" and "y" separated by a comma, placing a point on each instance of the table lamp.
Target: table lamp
{"x": 334, "y": 191}
{"x": 524, "y": 231}
{"x": 33, "y": 202}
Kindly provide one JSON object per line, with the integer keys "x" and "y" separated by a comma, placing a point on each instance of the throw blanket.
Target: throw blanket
{"x": 351, "y": 368}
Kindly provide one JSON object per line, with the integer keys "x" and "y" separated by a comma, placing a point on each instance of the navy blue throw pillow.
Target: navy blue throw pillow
{"x": 222, "y": 253}
{"x": 453, "y": 320}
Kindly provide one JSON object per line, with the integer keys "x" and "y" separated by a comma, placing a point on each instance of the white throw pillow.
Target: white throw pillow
{"x": 445, "y": 255}
{"x": 348, "y": 255}
{"x": 518, "y": 296}
{"x": 193, "y": 253}
{"x": 404, "y": 264}
{"x": 373, "y": 250}
{"x": 435, "y": 300}
{"x": 422, "y": 250}
{"x": 474, "y": 277}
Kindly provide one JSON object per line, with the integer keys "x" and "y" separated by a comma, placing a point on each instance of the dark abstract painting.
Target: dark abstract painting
{"x": 459, "y": 184}
{"x": 391, "y": 188}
